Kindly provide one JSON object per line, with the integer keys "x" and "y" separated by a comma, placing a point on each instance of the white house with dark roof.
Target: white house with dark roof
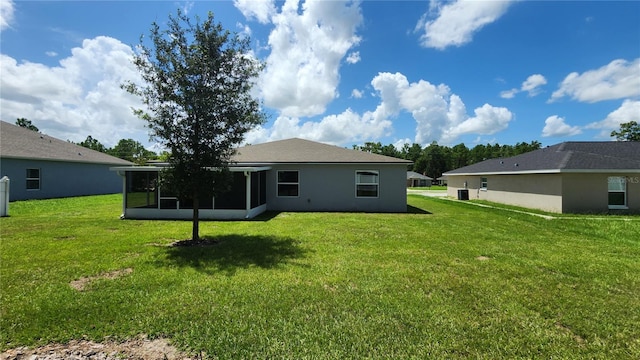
{"x": 570, "y": 177}
{"x": 40, "y": 166}
{"x": 285, "y": 175}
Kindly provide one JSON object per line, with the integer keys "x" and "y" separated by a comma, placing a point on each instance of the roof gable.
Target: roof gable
{"x": 415, "y": 175}
{"x": 306, "y": 151}
{"x": 20, "y": 143}
{"x": 579, "y": 156}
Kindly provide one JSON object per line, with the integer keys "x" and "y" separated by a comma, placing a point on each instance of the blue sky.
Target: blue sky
{"x": 346, "y": 72}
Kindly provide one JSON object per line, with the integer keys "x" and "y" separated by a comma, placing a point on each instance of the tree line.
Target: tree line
{"x": 127, "y": 149}
{"x": 434, "y": 160}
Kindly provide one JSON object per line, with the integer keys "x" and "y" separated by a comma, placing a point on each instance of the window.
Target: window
{"x": 142, "y": 191}
{"x": 288, "y": 183}
{"x": 483, "y": 183}
{"x": 617, "y": 192}
{"x": 367, "y": 182}
{"x": 33, "y": 179}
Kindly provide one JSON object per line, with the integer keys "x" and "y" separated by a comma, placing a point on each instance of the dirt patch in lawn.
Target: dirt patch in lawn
{"x": 482, "y": 258}
{"x": 82, "y": 283}
{"x": 136, "y": 349}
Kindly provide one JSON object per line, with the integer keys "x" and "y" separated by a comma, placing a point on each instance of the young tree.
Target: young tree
{"x": 629, "y": 131}
{"x": 198, "y": 93}
{"x": 27, "y": 124}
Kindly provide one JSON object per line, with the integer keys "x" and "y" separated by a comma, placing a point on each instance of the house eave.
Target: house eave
{"x": 159, "y": 168}
{"x": 326, "y": 163}
{"x": 63, "y": 160}
{"x": 548, "y": 171}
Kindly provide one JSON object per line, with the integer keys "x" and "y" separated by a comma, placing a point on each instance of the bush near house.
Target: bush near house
{"x": 446, "y": 280}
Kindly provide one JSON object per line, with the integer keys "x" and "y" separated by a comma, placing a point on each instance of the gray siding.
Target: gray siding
{"x": 59, "y": 179}
{"x": 332, "y": 187}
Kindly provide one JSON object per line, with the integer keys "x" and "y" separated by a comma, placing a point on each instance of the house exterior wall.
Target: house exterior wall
{"x": 59, "y": 179}
{"x": 588, "y": 192}
{"x": 536, "y": 191}
{"x": 561, "y": 192}
{"x": 332, "y": 187}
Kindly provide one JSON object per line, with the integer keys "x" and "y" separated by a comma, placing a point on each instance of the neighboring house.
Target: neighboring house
{"x": 441, "y": 181}
{"x": 40, "y": 167}
{"x": 286, "y": 175}
{"x": 571, "y": 177}
{"x": 415, "y": 179}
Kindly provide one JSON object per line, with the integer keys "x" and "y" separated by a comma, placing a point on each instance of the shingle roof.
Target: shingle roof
{"x": 415, "y": 175}
{"x": 20, "y": 143}
{"x": 572, "y": 156}
{"x": 305, "y": 151}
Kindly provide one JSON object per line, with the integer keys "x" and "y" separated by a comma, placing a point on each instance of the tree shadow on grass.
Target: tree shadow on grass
{"x": 228, "y": 253}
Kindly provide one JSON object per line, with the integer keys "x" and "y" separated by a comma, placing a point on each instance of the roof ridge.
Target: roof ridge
{"x": 565, "y": 159}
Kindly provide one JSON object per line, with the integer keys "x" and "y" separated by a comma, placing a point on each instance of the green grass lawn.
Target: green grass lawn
{"x": 447, "y": 280}
{"x": 432, "y": 187}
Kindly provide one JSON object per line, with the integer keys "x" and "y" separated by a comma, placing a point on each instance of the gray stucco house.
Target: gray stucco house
{"x": 570, "y": 177}
{"x": 415, "y": 179}
{"x": 41, "y": 167}
{"x": 285, "y": 175}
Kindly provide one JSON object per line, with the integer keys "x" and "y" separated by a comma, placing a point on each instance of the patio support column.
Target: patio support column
{"x": 247, "y": 176}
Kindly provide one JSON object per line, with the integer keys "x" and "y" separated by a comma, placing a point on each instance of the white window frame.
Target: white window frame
{"x": 484, "y": 183}
{"x": 617, "y": 180}
{"x": 38, "y": 179}
{"x": 377, "y": 183}
{"x": 278, "y": 183}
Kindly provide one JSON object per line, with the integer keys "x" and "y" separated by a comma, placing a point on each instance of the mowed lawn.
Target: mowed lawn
{"x": 448, "y": 280}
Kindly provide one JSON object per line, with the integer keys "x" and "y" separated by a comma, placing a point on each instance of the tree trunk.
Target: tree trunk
{"x": 196, "y": 218}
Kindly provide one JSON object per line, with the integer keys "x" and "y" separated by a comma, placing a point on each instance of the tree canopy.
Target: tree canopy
{"x": 629, "y": 131}
{"x": 93, "y": 144}
{"x": 131, "y": 150}
{"x": 434, "y": 160}
{"x": 27, "y": 124}
{"x": 197, "y": 89}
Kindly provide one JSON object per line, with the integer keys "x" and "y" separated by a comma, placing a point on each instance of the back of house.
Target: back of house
{"x": 285, "y": 175}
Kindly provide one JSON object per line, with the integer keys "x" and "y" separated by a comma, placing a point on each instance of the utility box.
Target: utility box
{"x": 463, "y": 194}
{"x": 4, "y": 196}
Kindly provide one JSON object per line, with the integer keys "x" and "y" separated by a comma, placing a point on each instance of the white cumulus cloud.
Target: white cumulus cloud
{"x": 509, "y": 94}
{"x": 6, "y": 14}
{"x": 555, "y": 126}
{"x": 346, "y": 127}
{"x": 531, "y": 85}
{"x": 353, "y": 57}
{"x": 454, "y": 23}
{"x": 617, "y": 80}
{"x": 357, "y": 94}
{"x": 439, "y": 114}
{"x": 307, "y": 45}
{"x": 628, "y": 111}
{"x": 260, "y": 10}
{"x": 79, "y": 97}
